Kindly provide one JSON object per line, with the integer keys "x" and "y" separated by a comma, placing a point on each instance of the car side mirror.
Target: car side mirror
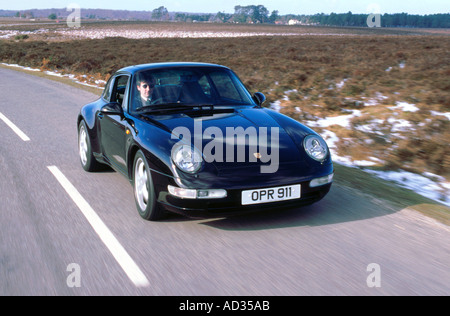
{"x": 113, "y": 108}
{"x": 260, "y": 98}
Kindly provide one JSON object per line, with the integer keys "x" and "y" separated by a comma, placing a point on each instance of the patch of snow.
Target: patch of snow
{"x": 376, "y": 159}
{"x": 57, "y": 74}
{"x": 405, "y": 107}
{"x": 373, "y": 126}
{"x": 54, "y": 73}
{"x": 88, "y": 84}
{"x": 341, "y": 84}
{"x": 142, "y": 34}
{"x": 432, "y": 186}
{"x": 364, "y": 163}
{"x": 342, "y": 120}
{"x": 276, "y": 106}
{"x": 21, "y": 67}
{"x": 375, "y": 100}
{"x": 7, "y": 34}
{"x": 446, "y": 114}
{"x": 401, "y": 66}
{"x": 423, "y": 185}
{"x": 399, "y": 125}
{"x": 434, "y": 177}
{"x": 331, "y": 139}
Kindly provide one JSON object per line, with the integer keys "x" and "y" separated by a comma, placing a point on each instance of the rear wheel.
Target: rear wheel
{"x": 87, "y": 159}
{"x": 144, "y": 192}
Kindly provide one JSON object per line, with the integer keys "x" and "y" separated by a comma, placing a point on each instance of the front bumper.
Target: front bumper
{"x": 232, "y": 204}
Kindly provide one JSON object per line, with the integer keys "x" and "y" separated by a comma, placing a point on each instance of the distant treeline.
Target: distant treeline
{"x": 243, "y": 14}
{"x": 260, "y": 14}
{"x": 387, "y": 20}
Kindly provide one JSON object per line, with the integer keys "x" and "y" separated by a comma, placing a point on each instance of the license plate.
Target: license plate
{"x": 268, "y": 195}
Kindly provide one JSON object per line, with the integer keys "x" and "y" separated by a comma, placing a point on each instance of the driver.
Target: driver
{"x": 145, "y": 86}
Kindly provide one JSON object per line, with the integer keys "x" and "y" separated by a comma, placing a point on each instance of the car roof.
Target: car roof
{"x": 136, "y": 68}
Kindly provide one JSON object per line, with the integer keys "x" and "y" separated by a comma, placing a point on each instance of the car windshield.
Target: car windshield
{"x": 187, "y": 86}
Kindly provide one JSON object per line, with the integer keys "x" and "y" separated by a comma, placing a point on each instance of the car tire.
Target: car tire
{"x": 144, "y": 191}
{"x": 87, "y": 159}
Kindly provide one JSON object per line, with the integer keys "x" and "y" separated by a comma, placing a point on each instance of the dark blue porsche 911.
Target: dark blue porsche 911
{"x": 191, "y": 139}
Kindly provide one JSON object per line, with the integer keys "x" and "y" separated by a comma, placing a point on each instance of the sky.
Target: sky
{"x": 213, "y": 6}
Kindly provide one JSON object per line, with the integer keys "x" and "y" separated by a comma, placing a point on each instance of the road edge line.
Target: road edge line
{"x": 128, "y": 265}
{"x": 15, "y": 129}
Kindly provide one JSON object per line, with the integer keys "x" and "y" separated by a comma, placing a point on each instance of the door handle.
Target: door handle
{"x": 100, "y": 115}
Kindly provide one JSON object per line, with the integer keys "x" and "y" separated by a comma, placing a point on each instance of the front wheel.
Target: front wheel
{"x": 144, "y": 192}
{"x": 87, "y": 159}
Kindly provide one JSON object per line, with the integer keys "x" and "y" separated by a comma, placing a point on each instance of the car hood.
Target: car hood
{"x": 242, "y": 138}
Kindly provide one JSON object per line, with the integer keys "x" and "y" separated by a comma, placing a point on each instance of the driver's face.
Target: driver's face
{"x": 145, "y": 88}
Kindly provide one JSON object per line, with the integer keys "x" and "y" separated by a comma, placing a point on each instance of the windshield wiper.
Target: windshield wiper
{"x": 157, "y": 107}
{"x": 170, "y": 107}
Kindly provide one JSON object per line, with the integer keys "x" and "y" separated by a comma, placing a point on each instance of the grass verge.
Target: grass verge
{"x": 64, "y": 80}
{"x": 399, "y": 198}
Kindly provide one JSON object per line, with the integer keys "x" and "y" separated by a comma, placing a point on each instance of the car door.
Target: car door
{"x": 113, "y": 124}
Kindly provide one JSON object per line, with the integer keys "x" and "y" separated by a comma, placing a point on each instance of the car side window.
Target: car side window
{"x": 108, "y": 90}
{"x": 120, "y": 90}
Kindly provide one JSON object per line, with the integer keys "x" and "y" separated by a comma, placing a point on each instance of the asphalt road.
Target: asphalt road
{"x": 49, "y": 247}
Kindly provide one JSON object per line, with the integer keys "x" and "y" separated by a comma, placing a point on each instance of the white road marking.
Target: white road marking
{"x": 16, "y": 130}
{"x": 402, "y": 228}
{"x": 122, "y": 257}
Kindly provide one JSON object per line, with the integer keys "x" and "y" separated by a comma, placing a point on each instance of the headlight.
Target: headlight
{"x": 315, "y": 147}
{"x": 187, "y": 158}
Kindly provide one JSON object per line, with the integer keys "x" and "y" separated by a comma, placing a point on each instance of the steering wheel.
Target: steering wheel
{"x": 157, "y": 101}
